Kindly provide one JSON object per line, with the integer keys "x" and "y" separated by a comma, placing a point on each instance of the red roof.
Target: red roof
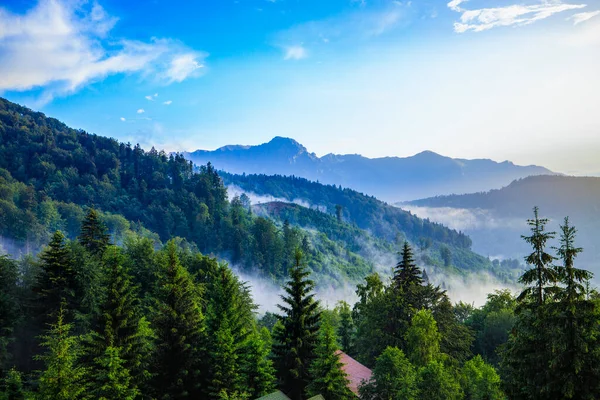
{"x": 357, "y": 373}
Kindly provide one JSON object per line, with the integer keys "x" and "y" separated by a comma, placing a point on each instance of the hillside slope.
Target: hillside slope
{"x": 389, "y": 178}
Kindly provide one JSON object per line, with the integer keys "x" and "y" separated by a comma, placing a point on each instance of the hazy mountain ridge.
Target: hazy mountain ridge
{"x": 495, "y": 219}
{"x": 389, "y": 178}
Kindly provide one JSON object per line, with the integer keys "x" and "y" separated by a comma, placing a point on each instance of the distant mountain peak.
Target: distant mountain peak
{"x": 284, "y": 143}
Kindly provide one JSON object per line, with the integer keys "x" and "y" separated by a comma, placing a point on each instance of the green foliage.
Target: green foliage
{"x": 480, "y": 381}
{"x": 394, "y": 378}
{"x": 178, "y": 323}
{"x": 423, "y": 339}
{"x": 63, "y": 378}
{"x": 436, "y": 382}
{"x": 296, "y": 338}
{"x": 12, "y": 386}
{"x": 113, "y": 380}
{"x": 93, "y": 237}
{"x": 9, "y": 307}
{"x": 256, "y": 366}
{"x": 329, "y": 379}
{"x": 346, "y": 329}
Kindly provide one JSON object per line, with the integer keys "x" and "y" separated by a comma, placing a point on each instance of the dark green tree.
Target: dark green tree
{"x": 12, "y": 386}
{"x": 9, "y": 307}
{"x": 178, "y": 323}
{"x": 406, "y": 273}
{"x": 119, "y": 323}
{"x": 436, "y": 382}
{"x": 294, "y": 344}
{"x": 329, "y": 379}
{"x": 93, "y": 235}
{"x": 541, "y": 274}
{"x": 57, "y": 281}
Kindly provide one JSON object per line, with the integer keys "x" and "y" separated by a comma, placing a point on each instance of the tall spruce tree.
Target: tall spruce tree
{"x": 407, "y": 273}
{"x": 295, "y": 342}
{"x": 113, "y": 380}
{"x": 119, "y": 323}
{"x": 93, "y": 233}
{"x": 329, "y": 379}
{"x": 573, "y": 371}
{"x": 541, "y": 274}
{"x": 178, "y": 323}
{"x": 57, "y": 281}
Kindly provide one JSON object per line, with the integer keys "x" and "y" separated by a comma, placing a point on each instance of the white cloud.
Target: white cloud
{"x": 168, "y": 102}
{"x": 487, "y": 18}
{"x": 122, "y": 119}
{"x": 582, "y": 17}
{"x": 151, "y": 97}
{"x": 59, "y": 46}
{"x": 141, "y": 111}
{"x": 454, "y": 5}
{"x": 297, "y": 52}
{"x": 183, "y": 66}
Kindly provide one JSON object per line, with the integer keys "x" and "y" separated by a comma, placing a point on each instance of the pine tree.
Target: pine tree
{"x": 63, "y": 377}
{"x": 113, "y": 380}
{"x": 179, "y": 328}
{"x": 256, "y": 366}
{"x": 407, "y": 273}
{"x": 541, "y": 274}
{"x": 329, "y": 379}
{"x": 119, "y": 324}
{"x": 93, "y": 233}
{"x": 294, "y": 344}
{"x": 573, "y": 372}
{"x": 57, "y": 281}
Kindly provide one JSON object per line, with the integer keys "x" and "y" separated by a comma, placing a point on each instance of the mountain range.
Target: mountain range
{"x": 389, "y": 178}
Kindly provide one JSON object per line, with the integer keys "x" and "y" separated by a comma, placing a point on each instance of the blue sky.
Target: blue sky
{"x": 473, "y": 79}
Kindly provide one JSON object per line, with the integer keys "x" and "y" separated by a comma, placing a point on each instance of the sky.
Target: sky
{"x": 500, "y": 79}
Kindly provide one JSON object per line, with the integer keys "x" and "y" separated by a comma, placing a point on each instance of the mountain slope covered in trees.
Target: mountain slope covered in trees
{"x": 389, "y": 178}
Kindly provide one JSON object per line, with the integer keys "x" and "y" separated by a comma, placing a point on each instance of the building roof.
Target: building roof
{"x": 357, "y": 373}
{"x": 278, "y": 395}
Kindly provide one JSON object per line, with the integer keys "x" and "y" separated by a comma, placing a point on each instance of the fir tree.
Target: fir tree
{"x": 541, "y": 274}
{"x": 93, "y": 233}
{"x": 407, "y": 273}
{"x": 63, "y": 377}
{"x": 119, "y": 324}
{"x": 12, "y": 386}
{"x": 57, "y": 281}
{"x": 329, "y": 379}
{"x": 179, "y": 328}
{"x": 295, "y": 341}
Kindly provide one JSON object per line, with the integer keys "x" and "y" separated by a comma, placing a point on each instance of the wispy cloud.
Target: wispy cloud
{"x": 168, "y": 102}
{"x": 60, "y": 46}
{"x": 482, "y": 19}
{"x": 151, "y": 97}
{"x": 582, "y": 17}
{"x": 141, "y": 111}
{"x": 122, "y": 119}
{"x": 297, "y": 52}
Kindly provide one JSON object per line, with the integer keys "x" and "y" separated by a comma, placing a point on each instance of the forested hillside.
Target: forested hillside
{"x": 49, "y": 173}
{"x": 367, "y": 216}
